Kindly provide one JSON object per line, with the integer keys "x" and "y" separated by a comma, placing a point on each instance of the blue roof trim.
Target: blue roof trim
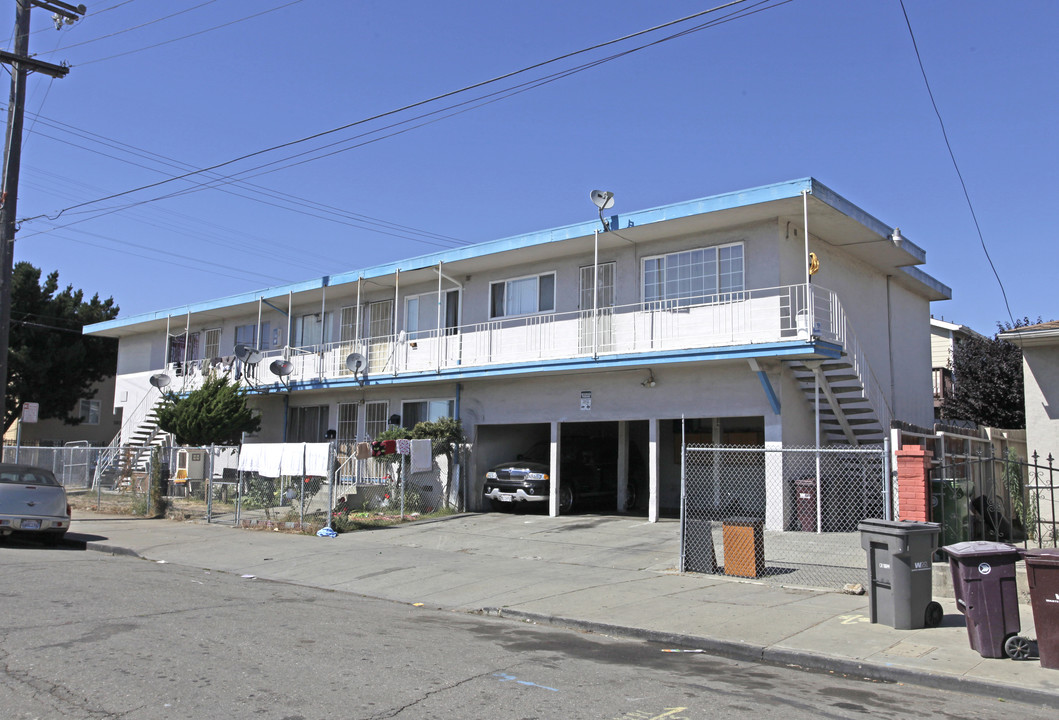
{"x": 715, "y": 203}
{"x": 794, "y": 348}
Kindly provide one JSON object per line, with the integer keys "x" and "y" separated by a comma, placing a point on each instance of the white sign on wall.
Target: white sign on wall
{"x": 29, "y": 412}
{"x": 586, "y": 399}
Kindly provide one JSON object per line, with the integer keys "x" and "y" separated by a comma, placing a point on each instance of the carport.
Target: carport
{"x": 605, "y": 463}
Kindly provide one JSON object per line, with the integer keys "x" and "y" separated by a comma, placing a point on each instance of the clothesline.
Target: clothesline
{"x": 276, "y": 459}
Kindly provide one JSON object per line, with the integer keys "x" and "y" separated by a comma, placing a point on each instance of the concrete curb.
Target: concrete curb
{"x": 793, "y": 658}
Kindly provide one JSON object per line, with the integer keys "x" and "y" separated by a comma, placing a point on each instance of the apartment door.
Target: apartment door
{"x": 597, "y": 309}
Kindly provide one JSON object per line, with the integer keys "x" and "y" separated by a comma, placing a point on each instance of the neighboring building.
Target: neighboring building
{"x": 100, "y": 422}
{"x": 1040, "y": 379}
{"x": 944, "y": 337}
{"x": 701, "y": 310}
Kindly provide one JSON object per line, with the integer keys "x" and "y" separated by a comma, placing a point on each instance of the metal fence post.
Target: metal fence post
{"x": 150, "y": 476}
{"x": 331, "y": 462}
{"x": 683, "y": 490}
{"x": 404, "y": 481}
{"x": 209, "y": 486}
{"x": 888, "y": 492}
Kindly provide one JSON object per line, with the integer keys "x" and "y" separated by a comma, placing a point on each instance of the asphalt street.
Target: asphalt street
{"x": 93, "y": 635}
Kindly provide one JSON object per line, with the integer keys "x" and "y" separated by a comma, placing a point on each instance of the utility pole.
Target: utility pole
{"x": 21, "y": 63}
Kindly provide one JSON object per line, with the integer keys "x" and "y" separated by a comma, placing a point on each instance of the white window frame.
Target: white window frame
{"x": 449, "y": 410}
{"x": 212, "y": 343}
{"x": 373, "y": 426}
{"x": 411, "y": 318}
{"x": 507, "y": 295}
{"x": 681, "y": 300}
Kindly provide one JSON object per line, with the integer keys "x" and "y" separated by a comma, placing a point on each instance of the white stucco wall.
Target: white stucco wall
{"x": 1040, "y": 367}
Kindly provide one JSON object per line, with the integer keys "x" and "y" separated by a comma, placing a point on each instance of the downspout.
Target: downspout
{"x": 258, "y": 333}
{"x": 165, "y": 349}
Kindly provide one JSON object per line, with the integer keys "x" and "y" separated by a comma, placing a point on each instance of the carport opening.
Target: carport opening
{"x": 590, "y": 474}
{"x": 590, "y": 462}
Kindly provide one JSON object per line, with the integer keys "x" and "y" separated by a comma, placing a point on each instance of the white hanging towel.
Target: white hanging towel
{"x": 293, "y": 460}
{"x": 316, "y": 457}
{"x": 422, "y": 458}
{"x": 263, "y": 458}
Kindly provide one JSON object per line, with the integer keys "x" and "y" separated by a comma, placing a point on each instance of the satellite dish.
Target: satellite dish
{"x": 160, "y": 380}
{"x": 603, "y": 199}
{"x": 252, "y": 357}
{"x": 242, "y": 351}
{"x": 282, "y": 368}
{"x": 354, "y": 362}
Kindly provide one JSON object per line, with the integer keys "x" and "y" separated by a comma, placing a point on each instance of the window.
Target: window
{"x": 246, "y": 335}
{"x": 89, "y": 412}
{"x": 307, "y": 424}
{"x": 413, "y": 413}
{"x": 375, "y": 418}
{"x": 312, "y": 329}
{"x": 347, "y": 324}
{"x": 421, "y": 313}
{"x": 693, "y": 277}
{"x": 212, "y": 347}
{"x": 347, "y": 423}
{"x": 522, "y": 296}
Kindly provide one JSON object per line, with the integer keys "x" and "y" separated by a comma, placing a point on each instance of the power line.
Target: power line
{"x": 134, "y": 27}
{"x": 952, "y": 156}
{"x": 389, "y": 113}
{"x": 190, "y": 35}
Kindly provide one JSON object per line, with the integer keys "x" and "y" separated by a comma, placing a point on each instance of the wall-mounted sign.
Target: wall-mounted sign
{"x": 30, "y": 411}
{"x": 586, "y": 399}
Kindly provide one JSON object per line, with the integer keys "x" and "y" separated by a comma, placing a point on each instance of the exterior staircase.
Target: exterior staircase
{"x": 847, "y": 414}
{"x": 129, "y": 451}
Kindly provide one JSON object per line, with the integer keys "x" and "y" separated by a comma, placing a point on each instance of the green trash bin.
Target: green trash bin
{"x": 900, "y": 572}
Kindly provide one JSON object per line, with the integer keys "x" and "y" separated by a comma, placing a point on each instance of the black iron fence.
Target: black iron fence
{"x": 1002, "y": 498}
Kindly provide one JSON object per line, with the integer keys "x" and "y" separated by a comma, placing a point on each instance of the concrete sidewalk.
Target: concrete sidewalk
{"x": 610, "y": 575}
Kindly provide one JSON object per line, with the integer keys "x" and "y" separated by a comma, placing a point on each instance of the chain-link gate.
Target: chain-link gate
{"x": 786, "y": 515}
{"x": 393, "y": 487}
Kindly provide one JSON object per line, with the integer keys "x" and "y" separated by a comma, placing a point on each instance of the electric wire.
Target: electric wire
{"x": 391, "y": 112}
{"x": 190, "y": 35}
{"x": 956, "y": 166}
{"x": 134, "y": 27}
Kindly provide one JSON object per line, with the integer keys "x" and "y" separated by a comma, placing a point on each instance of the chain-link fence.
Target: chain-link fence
{"x": 786, "y": 515}
{"x": 399, "y": 486}
{"x": 205, "y": 484}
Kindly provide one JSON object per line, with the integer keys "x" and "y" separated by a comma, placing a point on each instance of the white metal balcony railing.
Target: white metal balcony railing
{"x": 745, "y": 317}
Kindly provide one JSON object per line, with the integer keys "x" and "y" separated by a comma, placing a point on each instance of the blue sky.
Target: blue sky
{"x": 824, "y": 88}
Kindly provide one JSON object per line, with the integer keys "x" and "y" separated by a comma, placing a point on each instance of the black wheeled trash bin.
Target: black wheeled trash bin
{"x": 899, "y": 572}
{"x": 983, "y": 580}
{"x": 1042, "y": 572}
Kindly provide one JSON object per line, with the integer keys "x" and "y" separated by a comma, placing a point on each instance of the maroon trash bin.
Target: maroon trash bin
{"x": 1042, "y": 572}
{"x": 805, "y": 503}
{"x": 983, "y": 579}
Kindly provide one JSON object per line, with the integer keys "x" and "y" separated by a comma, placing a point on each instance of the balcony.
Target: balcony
{"x": 741, "y": 318}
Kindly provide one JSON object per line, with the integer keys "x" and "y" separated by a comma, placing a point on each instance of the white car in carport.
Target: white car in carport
{"x": 32, "y": 503}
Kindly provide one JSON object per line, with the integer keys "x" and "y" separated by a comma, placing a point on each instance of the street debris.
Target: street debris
{"x": 853, "y": 589}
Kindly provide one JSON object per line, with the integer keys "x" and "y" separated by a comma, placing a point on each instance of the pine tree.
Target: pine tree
{"x": 214, "y": 414}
